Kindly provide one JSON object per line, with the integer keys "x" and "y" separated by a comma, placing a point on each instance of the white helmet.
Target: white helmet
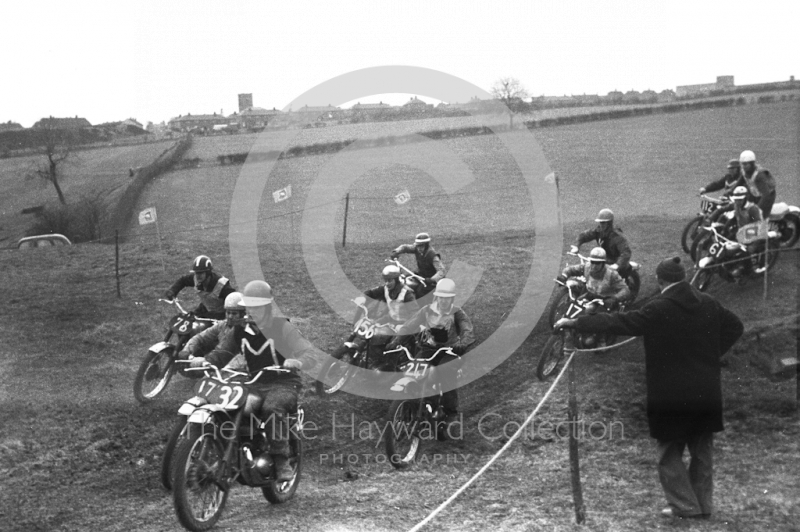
{"x": 597, "y": 254}
{"x": 747, "y": 156}
{"x": 445, "y": 288}
{"x": 739, "y": 193}
{"x": 234, "y": 302}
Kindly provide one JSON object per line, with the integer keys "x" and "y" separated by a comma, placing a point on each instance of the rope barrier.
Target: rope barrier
{"x": 461, "y": 490}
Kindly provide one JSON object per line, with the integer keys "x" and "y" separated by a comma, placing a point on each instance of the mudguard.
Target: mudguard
{"x": 190, "y": 405}
{"x": 160, "y": 346}
{"x": 203, "y": 413}
{"x": 405, "y": 384}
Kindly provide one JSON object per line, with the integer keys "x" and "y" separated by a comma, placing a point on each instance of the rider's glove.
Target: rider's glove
{"x": 609, "y": 302}
{"x": 459, "y": 349}
{"x": 429, "y": 281}
{"x": 292, "y": 363}
{"x": 197, "y": 362}
{"x": 702, "y": 190}
{"x": 562, "y": 278}
{"x": 184, "y": 355}
{"x": 169, "y": 295}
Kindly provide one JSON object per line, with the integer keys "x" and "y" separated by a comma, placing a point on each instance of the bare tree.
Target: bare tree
{"x": 511, "y": 92}
{"x": 56, "y": 148}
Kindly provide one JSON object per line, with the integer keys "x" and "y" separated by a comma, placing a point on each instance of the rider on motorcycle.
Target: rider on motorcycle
{"x": 726, "y": 182}
{"x": 212, "y": 289}
{"x": 601, "y": 282}
{"x": 444, "y": 325}
{"x": 746, "y": 212}
{"x": 759, "y": 182}
{"x": 267, "y": 340}
{"x": 618, "y": 252}
{"x": 394, "y": 303}
{"x": 218, "y": 342}
{"x": 429, "y": 262}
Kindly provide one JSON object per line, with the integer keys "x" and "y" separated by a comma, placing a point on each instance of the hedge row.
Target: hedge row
{"x": 168, "y": 159}
{"x": 613, "y": 114}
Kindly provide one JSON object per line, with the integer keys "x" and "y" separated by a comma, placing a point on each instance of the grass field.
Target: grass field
{"x": 103, "y": 170}
{"x": 77, "y": 452}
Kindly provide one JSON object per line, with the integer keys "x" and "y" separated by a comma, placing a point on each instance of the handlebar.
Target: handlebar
{"x": 211, "y": 367}
{"x": 184, "y": 311}
{"x": 447, "y": 351}
{"x": 409, "y": 272}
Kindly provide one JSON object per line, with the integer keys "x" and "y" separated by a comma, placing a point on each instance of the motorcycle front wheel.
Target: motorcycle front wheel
{"x": 551, "y": 356}
{"x": 559, "y": 307}
{"x": 336, "y": 372}
{"x": 280, "y": 492}
{"x": 167, "y": 472}
{"x": 402, "y": 433}
{"x": 690, "y": 233}
{"x": 154, "y": 374}
{"x": 197, "y": 492}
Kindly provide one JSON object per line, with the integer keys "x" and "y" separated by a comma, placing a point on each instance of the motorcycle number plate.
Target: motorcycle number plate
{"x": 716, "y": 249}
{"x": 365, "y": 328}
{"x": 417, "y": 370}
{"x": 180, "y": 325}
{"x": 228, "y": 396}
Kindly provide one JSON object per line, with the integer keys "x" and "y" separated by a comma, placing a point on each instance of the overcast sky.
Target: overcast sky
{"x": 153, "y": 60}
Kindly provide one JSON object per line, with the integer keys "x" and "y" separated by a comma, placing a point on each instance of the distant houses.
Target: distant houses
{"x": 10, "y": 126}
{"x": 62, "y": 123}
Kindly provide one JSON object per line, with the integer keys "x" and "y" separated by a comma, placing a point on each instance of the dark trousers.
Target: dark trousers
{"x": 278, "y": 400}
{"x": 765, "y": 203}
{"x": 689, "y": 491}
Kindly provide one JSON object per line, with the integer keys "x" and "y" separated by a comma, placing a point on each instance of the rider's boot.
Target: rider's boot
{"x": 283, "y": 469}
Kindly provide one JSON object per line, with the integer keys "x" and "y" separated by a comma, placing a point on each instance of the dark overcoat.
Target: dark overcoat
{"x": 685, "y": 334}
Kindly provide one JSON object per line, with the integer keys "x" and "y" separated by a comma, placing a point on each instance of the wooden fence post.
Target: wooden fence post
{"x": 344, "y": 229}
{"x": 116, "y": 260}
{"x": 574, "y": 461}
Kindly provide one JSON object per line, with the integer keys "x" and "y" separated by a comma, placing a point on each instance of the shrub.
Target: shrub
{"x": 82, "y": 221}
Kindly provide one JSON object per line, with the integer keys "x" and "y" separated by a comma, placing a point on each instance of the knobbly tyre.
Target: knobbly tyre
{"x": 158, "y": 365}
{"x": 219, "y": 446}
{"x": 722, "y": 256}
{"x": 420, "y": 414}
{"x": 577, "y": 304}
{"x": 352, "y": 354}
{"x": 178, "y": 431}
{"x": 709, "y": 207}
{"x": 563, "y": 299}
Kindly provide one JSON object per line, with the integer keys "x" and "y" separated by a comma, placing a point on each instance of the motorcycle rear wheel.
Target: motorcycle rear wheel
{"x": 789, "y": 228}
{"x": 335, "y": 373}
{"x": 280, "y": 492}
{"x": 691, "y": 232}
{"x": 153, "y": 375}
{"x": 402, "y": 434}
{"x": 199, "y": 499}
{"x": 551, "y": 356}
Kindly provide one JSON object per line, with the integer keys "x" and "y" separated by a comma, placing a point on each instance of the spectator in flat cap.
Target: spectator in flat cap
{"x": 685, "y": 334}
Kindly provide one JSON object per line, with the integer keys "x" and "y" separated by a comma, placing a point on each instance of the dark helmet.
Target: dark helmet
{"x": 201, "y": 264}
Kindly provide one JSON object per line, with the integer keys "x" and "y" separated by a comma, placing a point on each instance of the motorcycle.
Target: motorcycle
{"x": 354, "y": 353}
{"x": 723, "y": 256}
{"x": 158, "y": 365}
{"x": 564, "y": 298}
{"x": 218, "y": 446}
{"x": 576, "y": 303}
{"x": 420, "y": 415}
{"x": 709, "y": 211}
{"x": 785, "y": 220}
